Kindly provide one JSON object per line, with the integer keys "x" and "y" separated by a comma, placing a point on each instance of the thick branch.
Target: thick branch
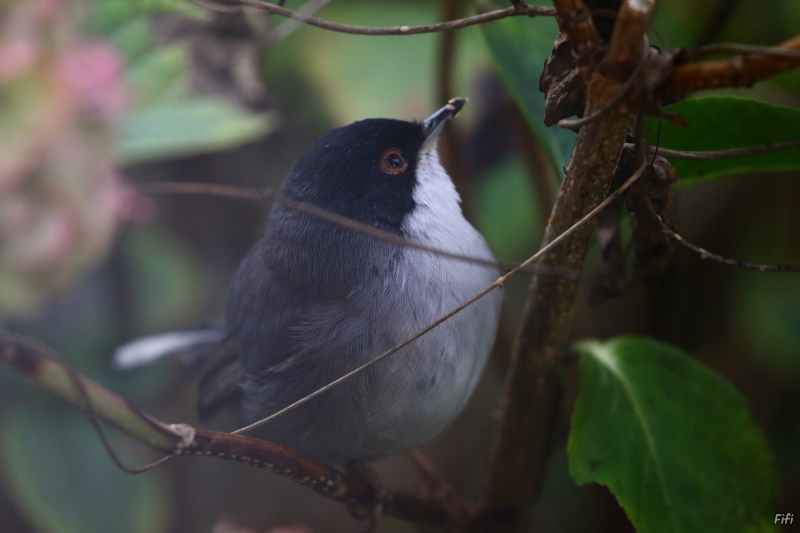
{"x": 576, "y": 21}
{"x": 531, "y": 400}
{"x": 740, "y": 71}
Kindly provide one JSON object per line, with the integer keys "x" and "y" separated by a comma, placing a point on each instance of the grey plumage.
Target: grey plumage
{"x": 313, "y": 300}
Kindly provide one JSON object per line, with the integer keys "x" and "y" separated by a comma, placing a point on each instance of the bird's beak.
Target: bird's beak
{"x": 434, "y": 125}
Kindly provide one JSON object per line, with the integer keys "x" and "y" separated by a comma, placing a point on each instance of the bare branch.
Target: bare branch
{"x": 42, "y": 365}
{"x": 531, "y": 399}
{"x": 518, "y": 10}
{"x": 608, "y": 106}
{"x": 736, "y": 48}
{"x": 36, "y": 361}
{"x": 576, "y": 21}
{"x": 705, "y": 254}
{"x": 739, "y": 71}
{"x": 722, "y": 154}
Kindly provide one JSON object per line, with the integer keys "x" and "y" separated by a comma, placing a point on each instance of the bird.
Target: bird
{"x": 313, "y": 300}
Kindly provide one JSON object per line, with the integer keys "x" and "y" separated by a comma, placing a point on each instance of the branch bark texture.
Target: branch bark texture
{"x": 531, "y": 400}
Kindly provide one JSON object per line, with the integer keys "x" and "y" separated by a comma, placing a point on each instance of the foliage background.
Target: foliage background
{"x": 173, "y": 271}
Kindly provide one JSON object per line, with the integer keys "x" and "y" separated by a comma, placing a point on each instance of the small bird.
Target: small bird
{"x": 313, "y": 300}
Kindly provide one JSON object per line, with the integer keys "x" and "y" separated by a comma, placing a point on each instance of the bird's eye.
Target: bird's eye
{"x": 392, "y": 161}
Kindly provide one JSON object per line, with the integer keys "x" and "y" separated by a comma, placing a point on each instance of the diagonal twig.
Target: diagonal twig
{"x": 497, "y": 284}
{"x": 705, "y": 254}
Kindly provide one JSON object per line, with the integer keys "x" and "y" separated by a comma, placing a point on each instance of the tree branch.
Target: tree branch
{"x": 518, "y": 10}
{"x": 531, "y": 400}
{"x": 739, "y": 71}
{"x": 721, "y": 154}
{"x": 40, "y": 363}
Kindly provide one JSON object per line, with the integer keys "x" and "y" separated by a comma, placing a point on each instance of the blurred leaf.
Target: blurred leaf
{"x": 188, "y": 127}
{"x": 768, "y": 308}
{"x": 62, "y": 480}
{"x": 161, "y": 75}
{"x": 335, "y": 62}
{"x": 520, "y": 46}
{"x": 723, "y": 122}
{"x": 166, "y": 283}
{"x": 672, "y": 440}
{"x": 134, "y": 38}
{"x": 505, "y": 210}
{"x": 360, "y": 76}
{"x": 107, "y": 15}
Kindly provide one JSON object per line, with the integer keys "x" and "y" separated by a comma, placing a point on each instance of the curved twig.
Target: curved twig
{"x": 518, "y": 10}
{"x": 705, "y": 254}
{"x": 47, "y": 369}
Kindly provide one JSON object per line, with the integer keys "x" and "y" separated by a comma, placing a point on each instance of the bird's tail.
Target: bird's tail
{"x": 191, "y": 344}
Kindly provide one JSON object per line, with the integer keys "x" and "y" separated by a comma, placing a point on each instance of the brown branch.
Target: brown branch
{"x": 40, "y": 364}
{"x": 531, "y": 400}
{"x": 737, "y": 48}
{"x": 721, "y": 154}
{"x": 739, "y": 71}
{"x": 705, "y": 254}
{"x": 576, "y": 21}
{"x": 513, "y": 11}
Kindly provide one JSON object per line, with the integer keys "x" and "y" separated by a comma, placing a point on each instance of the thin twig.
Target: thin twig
{"x": 722, "y": 154}
{"x": 499, "y": 283}
{"x": 513, "y": 11}
{"x": 262, "y": 195}
{"x": 705, "y": 254}
{"x": 736, "y": 48}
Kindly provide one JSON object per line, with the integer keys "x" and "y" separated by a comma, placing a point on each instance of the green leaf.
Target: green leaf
{"x": 520, "y": 46}
{"x": 188, "y": 127}
{"x": 723, "y": 122}
{"x": 161, "y": 75}
{"x": 62, "y": 480}
{"x": 672, "y": 440}
{"x": 505, "y": 210}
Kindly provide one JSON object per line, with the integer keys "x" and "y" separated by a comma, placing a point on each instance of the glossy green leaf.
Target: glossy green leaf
{"x": 723, "y": 122}
{"x": 62, "y": 480}
{"x": 188, "y": 127}
{"x": 672, "y": 440}
{"x": 520, "y": 46}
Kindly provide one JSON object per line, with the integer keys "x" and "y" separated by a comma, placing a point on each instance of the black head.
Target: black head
{"x": 367, "y": 170}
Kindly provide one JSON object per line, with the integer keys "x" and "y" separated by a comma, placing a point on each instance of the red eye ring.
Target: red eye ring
{"x": 392, "y": 162}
